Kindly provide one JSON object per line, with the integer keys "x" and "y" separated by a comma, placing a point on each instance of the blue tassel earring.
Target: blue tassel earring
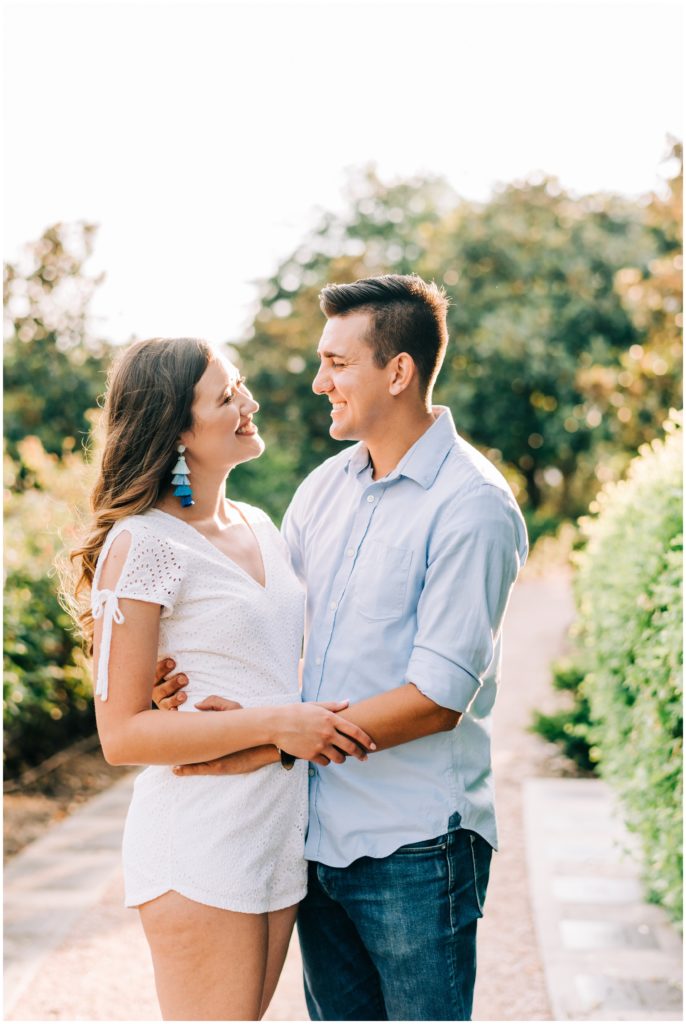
{"x": 181, "y": 481}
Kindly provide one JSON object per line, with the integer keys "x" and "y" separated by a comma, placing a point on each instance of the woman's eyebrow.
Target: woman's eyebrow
{"x": 232, "y": 384}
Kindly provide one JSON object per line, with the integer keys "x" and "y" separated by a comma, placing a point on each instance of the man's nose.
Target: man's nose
{"x": 321, "y": 383}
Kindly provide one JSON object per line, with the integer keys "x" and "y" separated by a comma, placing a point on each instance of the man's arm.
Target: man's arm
{"x": 401, "y": 715}
{"x": 473, "y": 563}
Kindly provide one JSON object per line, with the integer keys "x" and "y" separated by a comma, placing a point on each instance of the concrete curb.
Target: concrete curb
{"x": 607, "y": 954}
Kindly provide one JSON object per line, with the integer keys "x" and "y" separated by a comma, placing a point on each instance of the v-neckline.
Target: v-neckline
{"x": 222, "y": 554}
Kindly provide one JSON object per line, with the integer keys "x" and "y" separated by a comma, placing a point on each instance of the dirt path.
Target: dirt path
{"x": 510, "y": 984}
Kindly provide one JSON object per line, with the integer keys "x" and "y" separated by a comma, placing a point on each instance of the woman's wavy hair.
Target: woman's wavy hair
{"x": 147, "y": 405}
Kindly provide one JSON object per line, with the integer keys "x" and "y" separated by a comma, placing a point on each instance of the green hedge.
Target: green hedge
{"x": 568, "y": 727}
{"x": 629, "y": 599}
{"x": 47, "y": 693}
{"x": 46, "y": 686}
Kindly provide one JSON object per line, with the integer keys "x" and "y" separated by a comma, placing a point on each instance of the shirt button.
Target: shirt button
{"x": 333, "y": 606}
{"x": 311, "y": 772}
{"x": 317, "y": 661}
{"x": 370, "y": 497}
{"x": 350, "y": 552}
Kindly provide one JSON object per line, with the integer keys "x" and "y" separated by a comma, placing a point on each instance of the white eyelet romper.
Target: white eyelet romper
{"x": 232, "y": 841}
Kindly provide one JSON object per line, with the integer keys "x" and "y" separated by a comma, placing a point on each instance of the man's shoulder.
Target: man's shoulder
{"x": 472, "y": 486}
{"x": 465, "y": 470}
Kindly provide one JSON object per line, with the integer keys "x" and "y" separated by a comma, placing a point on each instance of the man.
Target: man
{"x": 408, "y": 543}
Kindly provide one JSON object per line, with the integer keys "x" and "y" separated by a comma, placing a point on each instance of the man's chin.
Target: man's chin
{"x": 339, "y": 433}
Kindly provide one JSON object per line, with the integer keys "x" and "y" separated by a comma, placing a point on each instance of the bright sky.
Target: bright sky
{"x": 202, "y": 137}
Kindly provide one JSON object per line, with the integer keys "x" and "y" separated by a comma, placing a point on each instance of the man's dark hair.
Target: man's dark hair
{"x": 407, "y": 315}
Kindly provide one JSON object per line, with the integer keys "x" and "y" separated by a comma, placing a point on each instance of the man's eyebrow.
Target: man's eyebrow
{"x": 330, "y": 355}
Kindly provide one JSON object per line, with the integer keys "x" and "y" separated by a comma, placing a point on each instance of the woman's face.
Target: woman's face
{"x": 223, "y": 434}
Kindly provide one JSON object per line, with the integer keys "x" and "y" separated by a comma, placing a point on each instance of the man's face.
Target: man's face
{"x": 348, "y": 376}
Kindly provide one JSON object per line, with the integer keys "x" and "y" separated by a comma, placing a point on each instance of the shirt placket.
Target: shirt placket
{"x": 369, "y": 501}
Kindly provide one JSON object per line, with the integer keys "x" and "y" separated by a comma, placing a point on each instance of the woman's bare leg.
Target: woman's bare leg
{"x": 209, "y": 963}
{"x": 280, "y": 924}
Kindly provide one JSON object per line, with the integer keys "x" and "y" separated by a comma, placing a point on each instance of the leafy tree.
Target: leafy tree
{"x": 639, "y": 391}
{"x": 54, "y": 369}
{"x": 534, "y": 308}
{"x": 387, "y": 227}
{"x": 532, "y": 279}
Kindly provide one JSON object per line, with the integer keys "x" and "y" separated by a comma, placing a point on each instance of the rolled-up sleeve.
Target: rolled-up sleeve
{"x": 474, "y": 559}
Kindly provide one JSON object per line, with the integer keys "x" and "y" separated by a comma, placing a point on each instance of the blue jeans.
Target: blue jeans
{"x": 394, "y": 938}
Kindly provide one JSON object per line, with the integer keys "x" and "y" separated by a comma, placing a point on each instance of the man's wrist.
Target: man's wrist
{"x": 287, "y": 760}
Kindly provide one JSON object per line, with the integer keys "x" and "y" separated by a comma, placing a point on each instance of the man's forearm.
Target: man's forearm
{"x": 400, "y": 715}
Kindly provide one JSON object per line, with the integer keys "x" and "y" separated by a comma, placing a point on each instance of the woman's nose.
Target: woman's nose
{"x": 249, "y": 405}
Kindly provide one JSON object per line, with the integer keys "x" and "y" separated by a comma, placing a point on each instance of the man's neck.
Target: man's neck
{"x": 397, "y": 441}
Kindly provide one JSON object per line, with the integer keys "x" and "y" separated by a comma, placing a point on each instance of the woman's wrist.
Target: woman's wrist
{"x": 273, "y": 725}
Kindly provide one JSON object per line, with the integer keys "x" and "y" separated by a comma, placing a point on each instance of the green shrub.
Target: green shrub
{"x": 46, "y": 687}
{"x": 568, "y": 727}
{"x": 628, "y": 591}
{"x": 47, "y": 701}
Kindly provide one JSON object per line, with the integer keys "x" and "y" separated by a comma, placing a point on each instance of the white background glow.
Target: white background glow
{"x": 202, "y": 137}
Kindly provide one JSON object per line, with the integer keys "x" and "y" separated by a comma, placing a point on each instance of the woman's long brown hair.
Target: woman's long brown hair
{"x": 148, "y": 404}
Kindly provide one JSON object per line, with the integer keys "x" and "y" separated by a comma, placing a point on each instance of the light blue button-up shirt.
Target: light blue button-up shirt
{"x": 407, "y": 581}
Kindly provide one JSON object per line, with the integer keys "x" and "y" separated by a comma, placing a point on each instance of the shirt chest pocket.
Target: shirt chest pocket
{"x": 381, "y": 579}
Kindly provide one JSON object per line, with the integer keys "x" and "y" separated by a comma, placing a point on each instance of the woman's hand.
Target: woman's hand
{"x": 317, "y": 732}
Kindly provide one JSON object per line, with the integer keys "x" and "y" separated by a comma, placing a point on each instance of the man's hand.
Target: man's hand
{"x": 239, "y": 763}
{"x": 167, "y": 690}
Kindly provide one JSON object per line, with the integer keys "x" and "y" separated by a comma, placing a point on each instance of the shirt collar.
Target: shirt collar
{"x": 424, "y": 459}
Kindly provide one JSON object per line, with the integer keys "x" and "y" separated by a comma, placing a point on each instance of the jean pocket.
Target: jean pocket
{"x": 425, "y": 846}
{"x": 381, "y": 580}
{"x": 481, "y": 853}
{"x": 470, "y": 863}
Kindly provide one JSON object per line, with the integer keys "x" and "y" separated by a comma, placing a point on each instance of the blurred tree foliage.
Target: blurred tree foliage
{"x": 54, "y": 369}
{"x": 550, "y": 358}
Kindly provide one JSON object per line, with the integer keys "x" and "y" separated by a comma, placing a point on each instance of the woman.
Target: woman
{"x": 214, "y": 865}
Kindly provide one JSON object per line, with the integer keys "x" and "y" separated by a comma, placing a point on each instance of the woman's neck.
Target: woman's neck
{"x": 209, "y": 500}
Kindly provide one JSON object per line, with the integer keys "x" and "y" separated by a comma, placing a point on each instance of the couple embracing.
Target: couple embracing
{"x": 358, "y": 799}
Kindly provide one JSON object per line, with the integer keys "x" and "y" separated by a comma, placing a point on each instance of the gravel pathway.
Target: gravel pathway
{"x": 510, "y": 982}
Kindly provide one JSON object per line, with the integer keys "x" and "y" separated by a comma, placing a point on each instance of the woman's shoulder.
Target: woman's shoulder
{"x": 137, "y": 525}
{"x": 146, "y": 560}
{"x": 144, "y": 531}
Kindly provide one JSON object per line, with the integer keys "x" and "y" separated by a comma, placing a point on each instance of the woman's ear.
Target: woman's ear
{"x": 404, "y": 371}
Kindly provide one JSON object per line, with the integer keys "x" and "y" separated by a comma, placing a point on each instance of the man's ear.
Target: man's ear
{"x": 403, "y": 372}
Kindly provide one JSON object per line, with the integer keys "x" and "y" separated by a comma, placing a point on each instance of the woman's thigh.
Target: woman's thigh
{"x": 210, "y": 964}
{"x": 280, "y": 923}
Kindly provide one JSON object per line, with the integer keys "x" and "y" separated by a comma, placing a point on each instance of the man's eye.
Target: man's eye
{"x": 337, "y": 366}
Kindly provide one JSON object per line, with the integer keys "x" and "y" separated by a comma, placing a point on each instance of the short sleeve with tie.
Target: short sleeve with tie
{"x": 152, "y": 572}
